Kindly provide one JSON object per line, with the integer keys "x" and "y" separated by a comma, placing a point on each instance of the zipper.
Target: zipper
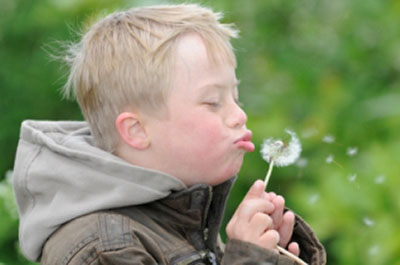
{"x": 206, "y": 209}
{"x": 204, "y": 254}
{"x": 207, "y": 254}
{"x": 205, "y": 234}
{"x": 195, "y": 257}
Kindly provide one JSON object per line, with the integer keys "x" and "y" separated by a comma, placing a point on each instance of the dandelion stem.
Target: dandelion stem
{"x": 271, "y": 165}
{"x": 294, "y": 257}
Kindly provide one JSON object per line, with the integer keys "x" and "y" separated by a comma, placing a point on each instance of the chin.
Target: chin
{"x": 236, "y": 168}
{"x": 231, "y": 172}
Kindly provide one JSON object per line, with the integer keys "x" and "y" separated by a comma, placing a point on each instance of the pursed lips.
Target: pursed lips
{"x": 244, "y": 142}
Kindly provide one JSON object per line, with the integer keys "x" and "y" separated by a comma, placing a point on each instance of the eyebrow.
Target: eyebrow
{"x": 221, "y": 86}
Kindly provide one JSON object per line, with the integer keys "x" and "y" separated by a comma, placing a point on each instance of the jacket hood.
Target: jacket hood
{"x": 59, "y": 174}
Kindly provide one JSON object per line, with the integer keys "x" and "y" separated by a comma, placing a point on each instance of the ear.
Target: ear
{"x": 132, "y": 131}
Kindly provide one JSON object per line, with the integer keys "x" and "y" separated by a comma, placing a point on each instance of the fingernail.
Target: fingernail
{"x": 259, "y": 182}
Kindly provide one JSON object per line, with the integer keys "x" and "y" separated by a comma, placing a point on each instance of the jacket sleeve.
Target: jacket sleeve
{"x": 240, "y": 252}
{"x": 311, "y": 250}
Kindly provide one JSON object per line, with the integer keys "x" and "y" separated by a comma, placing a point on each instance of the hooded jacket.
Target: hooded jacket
{"x": 59, "y": 175}
{"x": 64, "y": 184}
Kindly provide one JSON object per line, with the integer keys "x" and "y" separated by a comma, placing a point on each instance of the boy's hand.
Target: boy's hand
{"x": 259, "y": 219}
{"x": 283, "y": 223}
{"x": 252, "y": 221}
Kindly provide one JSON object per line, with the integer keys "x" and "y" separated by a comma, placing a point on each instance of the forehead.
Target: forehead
{"x": 192, "y": 52}
{"x": 193, "y": 47}
{"x": 195, "y": 65}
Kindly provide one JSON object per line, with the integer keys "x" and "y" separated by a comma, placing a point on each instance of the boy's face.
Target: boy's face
{"x": 204, "y": 137}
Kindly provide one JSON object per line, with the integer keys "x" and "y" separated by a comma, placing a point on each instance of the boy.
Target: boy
{"x": 145, "y": 180}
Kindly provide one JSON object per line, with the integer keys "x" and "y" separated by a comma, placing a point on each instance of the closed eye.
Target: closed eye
{"x": 213, "y": 104}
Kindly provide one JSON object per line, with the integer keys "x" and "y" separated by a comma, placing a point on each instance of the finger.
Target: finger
{"x": 254, "y": 202}
{"x": 286, "y": 229}
{"x": 230, "y": 227}
{"x": 266, "y": 196}
{"x": 279, "y": 204}
{"x": 260, "y": 223}
{"x": 294, "y": 248}
{"x": 256, "y": 190}
{"x": 248, "y": 208}
{"x": 272, "y": 195}
{"x": 249, "y": 231}
{"x": 270, "y": 239}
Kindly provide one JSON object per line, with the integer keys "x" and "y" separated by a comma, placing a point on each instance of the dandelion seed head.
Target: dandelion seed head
{"x": 329, "y": 139}
{"x": 271, "y": 149}
{"x": 329, "y": 159}
{"x": 283, "y": 154}
{"x": 368, "y": 221}
{"x": 352, "y": 151}
{"x": 380, "y": 179}
{"x": 352, "y": 177}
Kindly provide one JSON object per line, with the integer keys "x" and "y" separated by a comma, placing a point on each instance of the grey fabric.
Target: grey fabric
{"x": 59, "y": 174}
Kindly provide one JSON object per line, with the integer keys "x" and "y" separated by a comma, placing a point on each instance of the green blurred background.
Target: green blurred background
{"x": 327, "y": 69}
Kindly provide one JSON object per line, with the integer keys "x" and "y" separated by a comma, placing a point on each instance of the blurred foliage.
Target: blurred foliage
{"x": 319, "y": 67}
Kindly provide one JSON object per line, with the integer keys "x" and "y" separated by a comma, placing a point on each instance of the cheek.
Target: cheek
{"x": 204, "y": 132}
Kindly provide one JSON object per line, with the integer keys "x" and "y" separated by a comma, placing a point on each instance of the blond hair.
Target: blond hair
{"x": 125, "y": 60}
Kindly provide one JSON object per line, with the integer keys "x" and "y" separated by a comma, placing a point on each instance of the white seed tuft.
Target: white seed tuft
{"x": 352, "y": 151}
{"x": 329, "y": 139}
{"x": 283, "y": 154}
{"x": 329, "y": 159}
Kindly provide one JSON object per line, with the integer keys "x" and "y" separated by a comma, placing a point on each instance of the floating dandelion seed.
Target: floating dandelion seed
{"x": 310, "y": 132}
{"x": 276, "y": 152}
{"x": 368, "y": 221}
{"x": 374, "y": 250}
{"x": 352, "y": 177}
{"x": 329, "y": 159}
{"x": 329, "y": 139}
{"x": 352, "y": 151}
{"x": 302, "y": 162}
{"x": 380, "y": 179}
{"x": 313, "y": 198}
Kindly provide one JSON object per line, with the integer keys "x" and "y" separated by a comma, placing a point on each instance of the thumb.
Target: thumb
{"x": 256, "y": 190}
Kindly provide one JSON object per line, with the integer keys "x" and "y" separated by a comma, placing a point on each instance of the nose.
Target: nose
{"x": 236, "y": 117}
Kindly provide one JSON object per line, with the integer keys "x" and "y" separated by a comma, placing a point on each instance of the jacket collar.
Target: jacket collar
{"x": 199, "y": 209}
